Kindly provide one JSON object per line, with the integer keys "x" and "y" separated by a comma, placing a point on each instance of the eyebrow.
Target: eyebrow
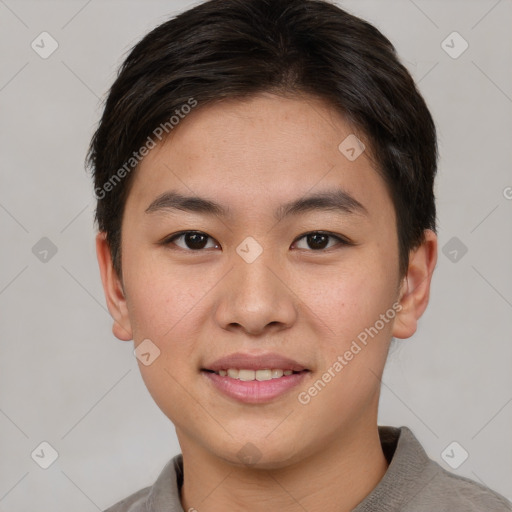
{"x": 337, "y": 200}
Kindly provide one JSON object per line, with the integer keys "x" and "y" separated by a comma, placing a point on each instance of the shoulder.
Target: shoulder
{"x": 162, "y": 496}
{"x": 435, "y": 488}
{"x": 136, "y": 502}
{"x": 415, "y": 483}
{"x": 447, "y": 492}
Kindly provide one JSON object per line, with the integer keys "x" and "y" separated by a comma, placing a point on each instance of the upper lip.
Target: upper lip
{"x": 240, "y": 360}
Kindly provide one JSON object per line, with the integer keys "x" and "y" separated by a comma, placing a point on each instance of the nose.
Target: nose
{"x": 255, "y": 298}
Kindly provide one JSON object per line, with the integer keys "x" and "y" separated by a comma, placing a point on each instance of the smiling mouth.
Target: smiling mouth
{"x": 263, "y": 374}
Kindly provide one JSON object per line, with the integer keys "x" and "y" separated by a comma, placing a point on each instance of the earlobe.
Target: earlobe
{"x": 415, "y": 290}
{"x": 113, "y": 289}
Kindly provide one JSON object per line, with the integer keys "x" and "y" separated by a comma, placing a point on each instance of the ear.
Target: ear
{"x": 113, "y": 288}
{"x": 415, "y": 289}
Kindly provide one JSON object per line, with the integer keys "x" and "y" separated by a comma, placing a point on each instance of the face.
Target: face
{"x": 287, "y": 260}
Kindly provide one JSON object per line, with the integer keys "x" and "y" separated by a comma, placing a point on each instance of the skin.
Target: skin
{"x": 305, "y": 303}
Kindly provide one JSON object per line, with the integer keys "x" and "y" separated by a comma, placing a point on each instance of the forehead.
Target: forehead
{"x": 267, "y": 148}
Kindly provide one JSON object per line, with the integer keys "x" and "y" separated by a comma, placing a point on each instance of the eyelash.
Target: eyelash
{"x": 342, "y": 241}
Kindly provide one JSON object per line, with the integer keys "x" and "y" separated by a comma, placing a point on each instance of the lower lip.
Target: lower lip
{"x": 255, "y": 391}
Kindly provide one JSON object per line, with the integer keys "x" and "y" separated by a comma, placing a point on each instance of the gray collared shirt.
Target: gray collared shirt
{"x": 412, "y": 483}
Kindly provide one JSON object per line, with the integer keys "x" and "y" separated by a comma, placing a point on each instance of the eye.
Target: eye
{"x": 190, "y": 240}
{"x": 319, "y": 240}
{"x": 197, "y": 240}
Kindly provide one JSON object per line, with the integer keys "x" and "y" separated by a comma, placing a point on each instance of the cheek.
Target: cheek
{"x": 360, "y": 309}
{"x": 354, "y": 349}
{"x": 161, "y": 297}
{"x": 348, "y": 299}
{"x": 164, "y": 307}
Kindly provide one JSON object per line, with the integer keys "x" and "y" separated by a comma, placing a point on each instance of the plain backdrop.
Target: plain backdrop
{"x": 64, "y": 378}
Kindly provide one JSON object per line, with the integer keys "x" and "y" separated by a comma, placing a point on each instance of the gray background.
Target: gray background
{"x": 66, "y": 380}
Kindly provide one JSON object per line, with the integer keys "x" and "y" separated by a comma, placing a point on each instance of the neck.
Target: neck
{"x": 336, "y": 478}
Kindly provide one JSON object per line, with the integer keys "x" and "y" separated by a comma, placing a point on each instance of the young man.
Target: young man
{"x": 264, "y": 173}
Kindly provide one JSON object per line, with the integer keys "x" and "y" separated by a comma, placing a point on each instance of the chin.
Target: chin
{"x": 259, "y": 453}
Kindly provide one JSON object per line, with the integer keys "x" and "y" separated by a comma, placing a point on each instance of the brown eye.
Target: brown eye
{"x": 191, "y": 240}
{"x": 319, "y": 240}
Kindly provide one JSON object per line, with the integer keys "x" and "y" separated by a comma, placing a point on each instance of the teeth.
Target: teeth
{"x": 247, "y": 374}
{"x": 261, "y": 375}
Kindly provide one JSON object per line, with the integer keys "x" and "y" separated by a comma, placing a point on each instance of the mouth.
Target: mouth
{"x": 254, "y": 379}
{"x": 248, "y": 375}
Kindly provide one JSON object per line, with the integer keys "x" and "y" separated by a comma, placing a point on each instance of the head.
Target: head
{"x": 288, "y": 136}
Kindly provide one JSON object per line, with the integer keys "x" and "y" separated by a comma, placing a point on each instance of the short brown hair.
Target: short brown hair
{"x": 237, "y": 48}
